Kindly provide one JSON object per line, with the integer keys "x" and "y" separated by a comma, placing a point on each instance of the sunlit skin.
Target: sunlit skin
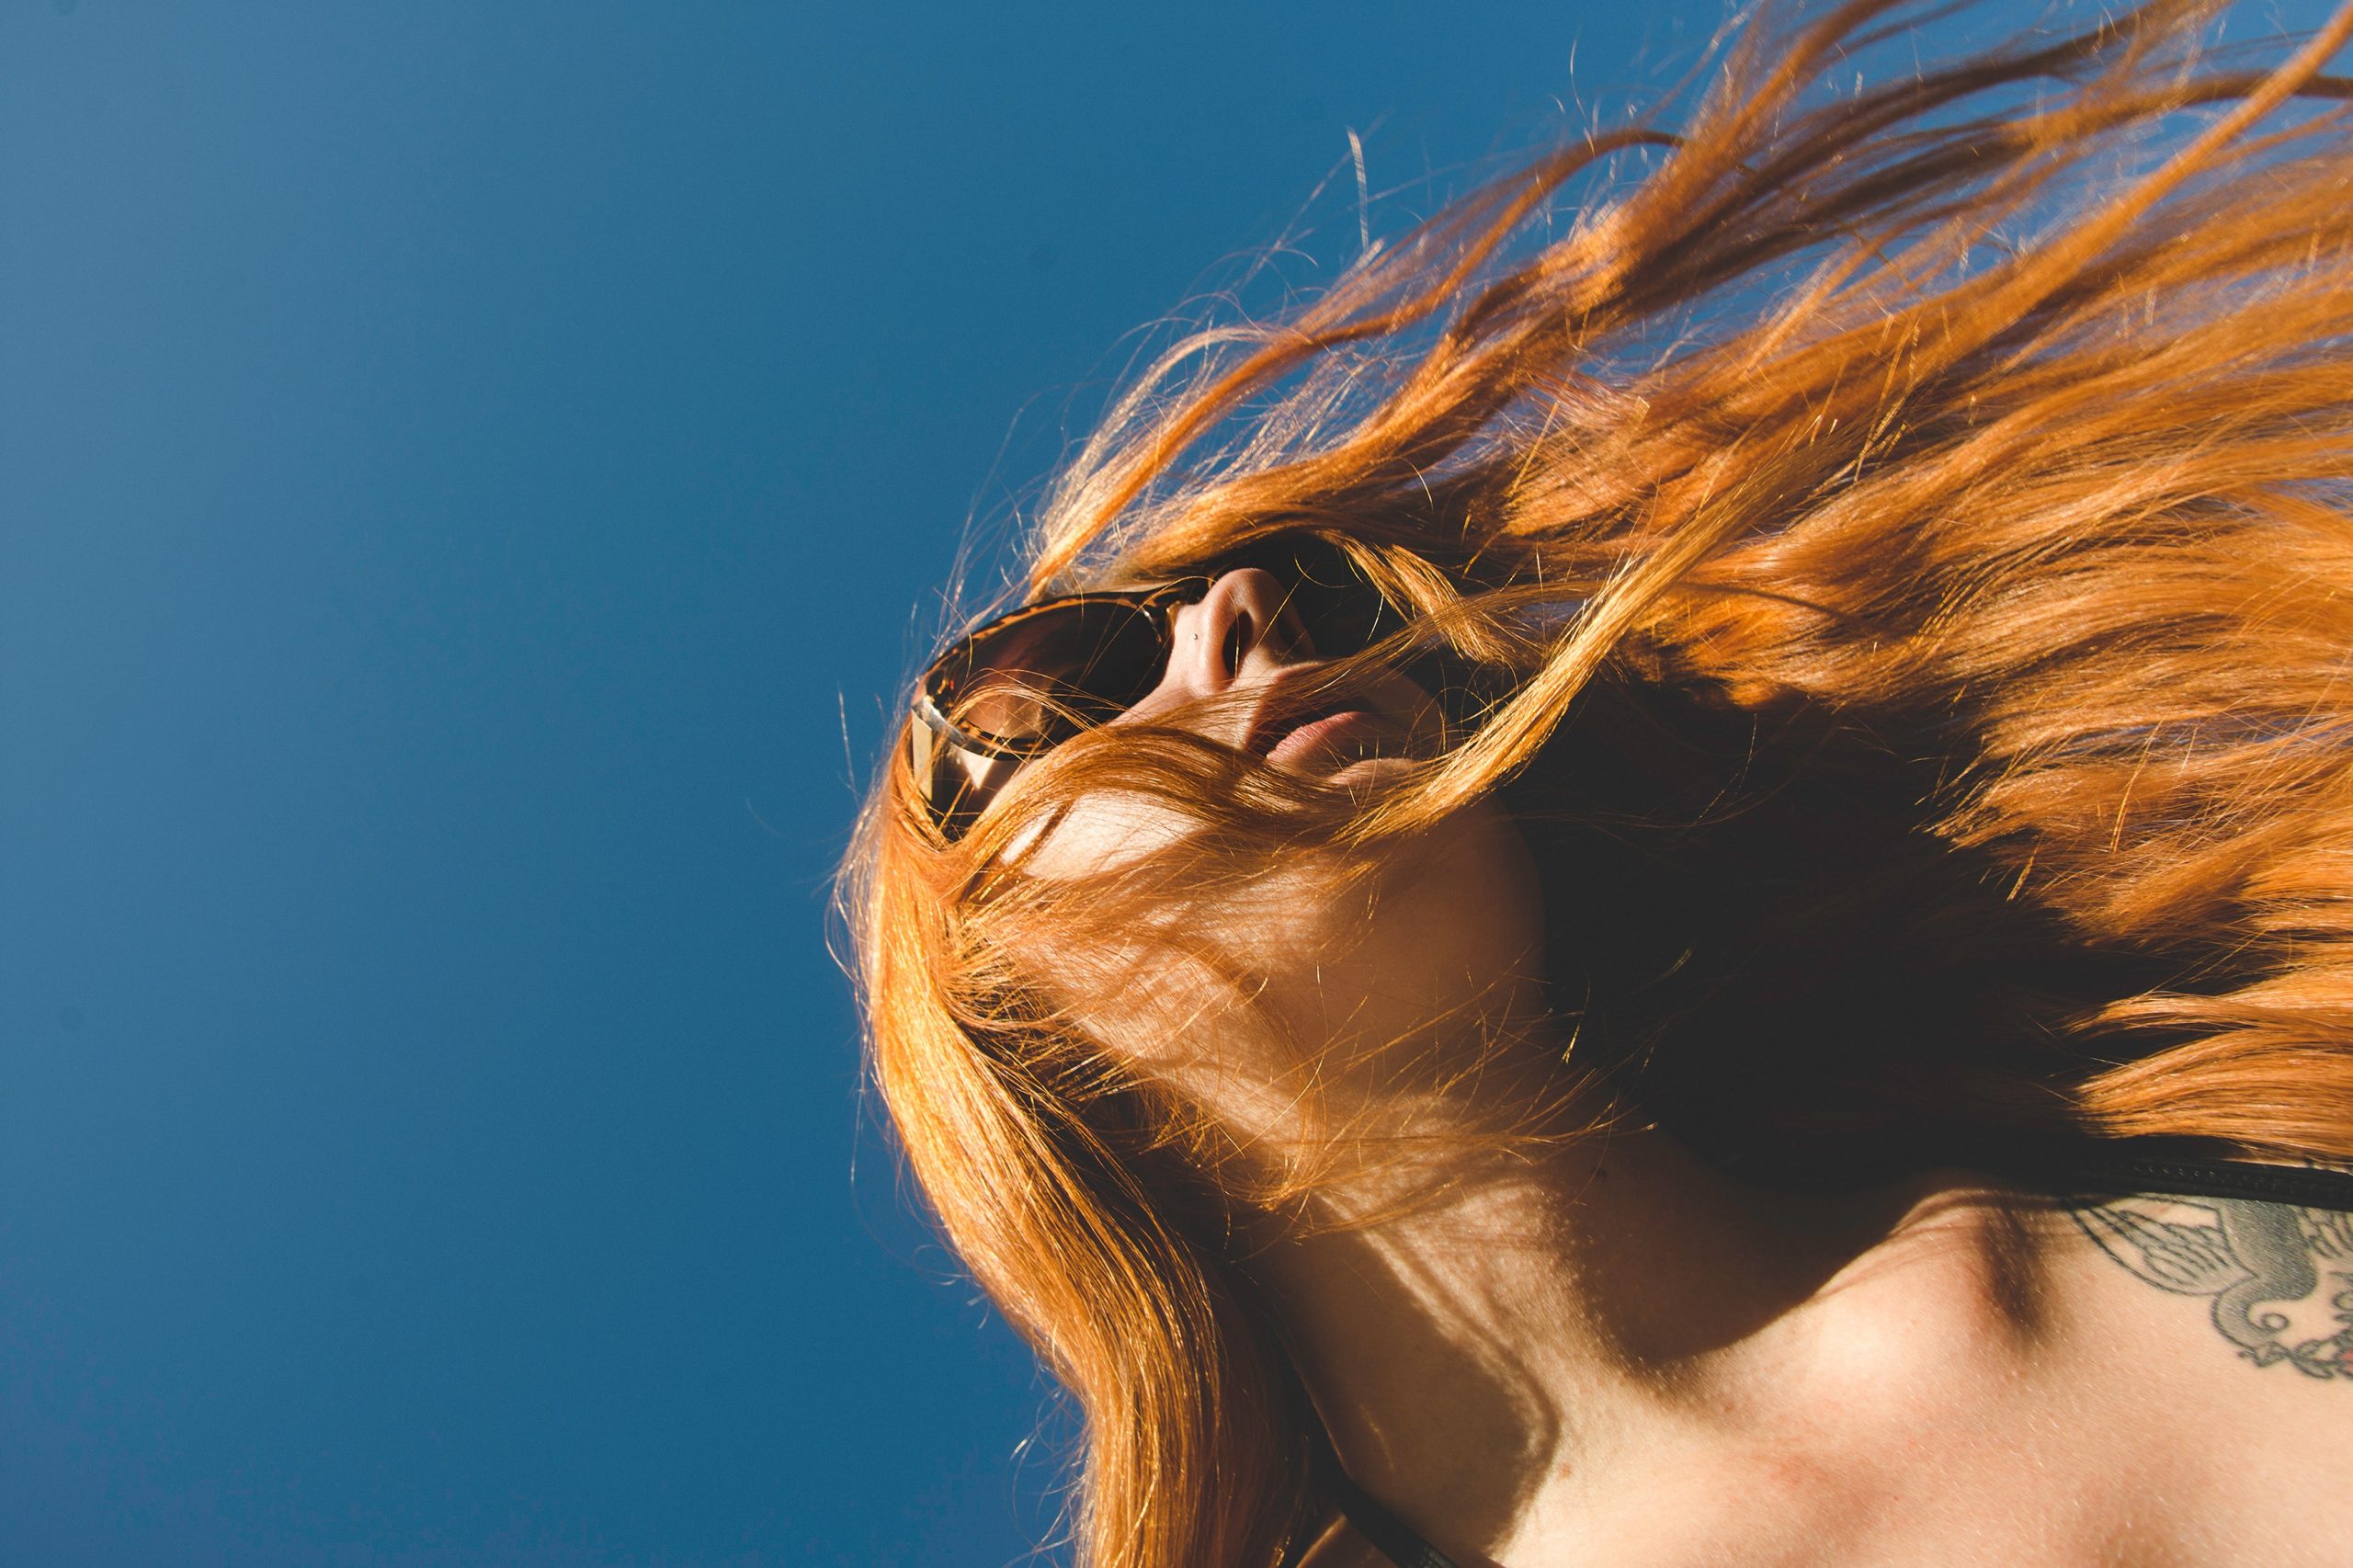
{"x": 1600, "y": 1349}
{"x": 1357, "y": 984}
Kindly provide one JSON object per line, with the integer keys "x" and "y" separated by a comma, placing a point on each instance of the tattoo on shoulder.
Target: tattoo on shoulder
{"x": 2280, "y": 1276}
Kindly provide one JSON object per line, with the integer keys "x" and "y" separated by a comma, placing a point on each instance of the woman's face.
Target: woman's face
{"x": 1368, "y": 977}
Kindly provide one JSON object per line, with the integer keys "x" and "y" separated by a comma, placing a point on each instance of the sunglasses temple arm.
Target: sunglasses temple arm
{"x": 955, "y": 781}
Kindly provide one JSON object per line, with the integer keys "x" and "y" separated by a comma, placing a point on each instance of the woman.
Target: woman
{"x": 1679, "y": 891}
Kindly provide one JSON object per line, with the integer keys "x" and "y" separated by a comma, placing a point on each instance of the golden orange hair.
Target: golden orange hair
{"x": 1897, "y": 540}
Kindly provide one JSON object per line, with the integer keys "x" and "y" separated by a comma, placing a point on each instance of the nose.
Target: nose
{"x": 1241, "y": 630}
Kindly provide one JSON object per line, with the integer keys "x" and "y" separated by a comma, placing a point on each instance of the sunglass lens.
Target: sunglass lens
{"x": 1039, "y": 677}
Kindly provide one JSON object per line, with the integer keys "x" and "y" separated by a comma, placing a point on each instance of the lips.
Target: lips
{"x": 1302, "y": 726}
{"x": 1335, "y": 739}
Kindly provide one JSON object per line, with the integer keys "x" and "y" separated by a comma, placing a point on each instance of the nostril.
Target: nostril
{"x": 1237, "y": 643}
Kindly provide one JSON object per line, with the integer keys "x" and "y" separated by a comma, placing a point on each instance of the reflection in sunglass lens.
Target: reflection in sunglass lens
{"x": 1041, "y": 678}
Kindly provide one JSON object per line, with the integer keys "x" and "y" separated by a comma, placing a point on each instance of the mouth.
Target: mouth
{"x": 1335, "y": 740}
{"x": 1319, "y": 732}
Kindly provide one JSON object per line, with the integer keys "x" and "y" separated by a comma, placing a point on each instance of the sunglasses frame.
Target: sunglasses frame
{"x": 1314, "y": 570}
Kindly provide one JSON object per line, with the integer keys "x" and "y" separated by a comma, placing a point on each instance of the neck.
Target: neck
{"x": 1519, "y": 1318}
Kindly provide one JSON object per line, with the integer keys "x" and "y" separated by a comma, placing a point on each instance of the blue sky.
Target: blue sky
{"x": 472, "y": 478}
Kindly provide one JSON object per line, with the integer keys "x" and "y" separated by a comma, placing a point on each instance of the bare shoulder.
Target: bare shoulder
{"x": 2227, "y": 1346}
{"x": 2274, "y": 1281}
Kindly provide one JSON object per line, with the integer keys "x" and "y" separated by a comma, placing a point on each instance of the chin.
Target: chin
{"x": 1446, "y": 931}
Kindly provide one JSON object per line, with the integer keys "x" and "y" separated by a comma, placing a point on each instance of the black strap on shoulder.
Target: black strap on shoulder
{"x": 1390, "y": 1536}
{"x": 2118, "y": 1174}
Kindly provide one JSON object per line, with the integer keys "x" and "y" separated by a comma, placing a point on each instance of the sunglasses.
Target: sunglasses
{"x": 1014, "y": 687}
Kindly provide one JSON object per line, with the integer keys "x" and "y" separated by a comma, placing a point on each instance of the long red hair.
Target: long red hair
{"x": 1895, "y": 543}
